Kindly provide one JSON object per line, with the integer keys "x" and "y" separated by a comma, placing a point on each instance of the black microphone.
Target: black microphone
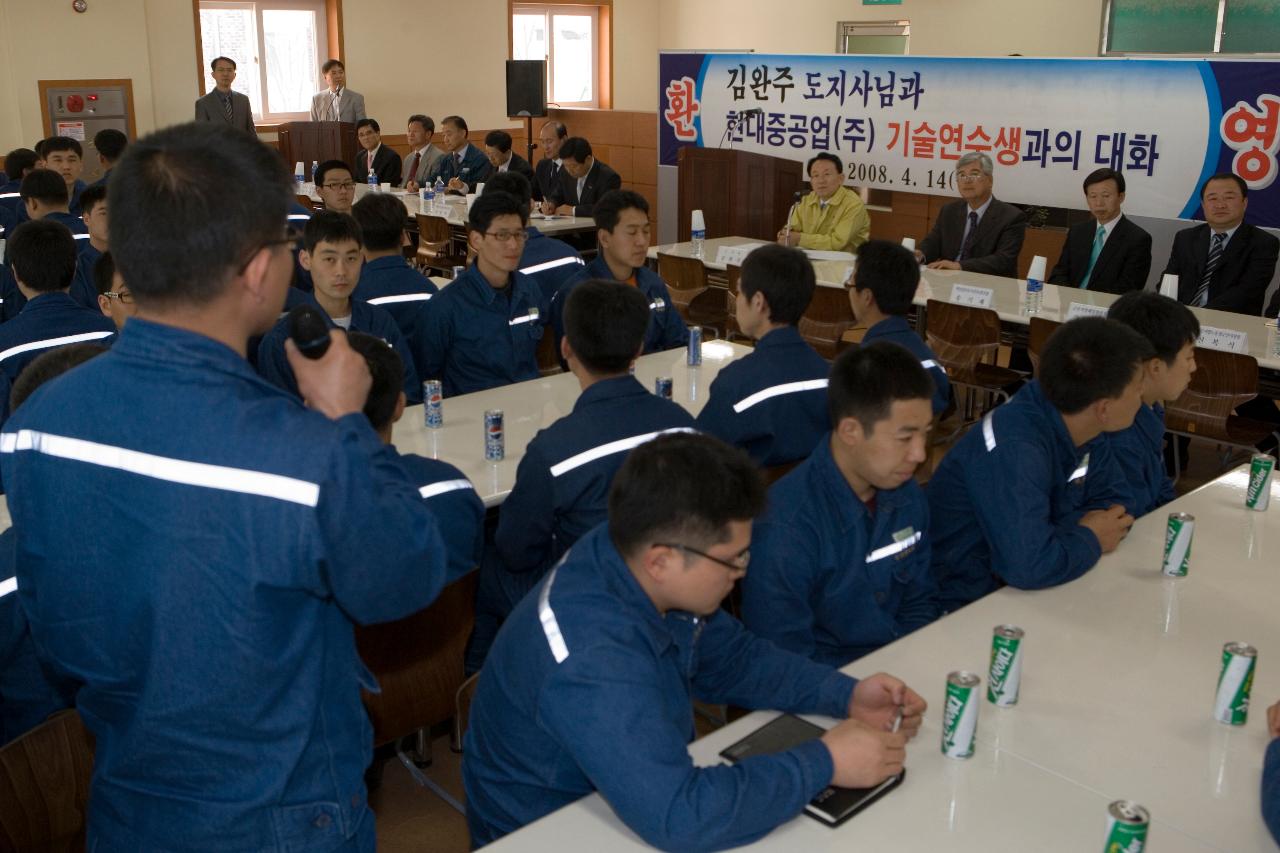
{"x": 309, "y": 331}
{"x": 799, "y": 196}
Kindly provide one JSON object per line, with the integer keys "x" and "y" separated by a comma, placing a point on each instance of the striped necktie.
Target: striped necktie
{"x": 967, "y": 246}
{"x": 229, "y": 108}
{"x": 1098, "y": 239}
{"x": 1215, "y": 260}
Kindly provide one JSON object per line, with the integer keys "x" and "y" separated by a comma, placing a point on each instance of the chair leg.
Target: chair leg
{"x": 1177, "y": 459}
{"x": 421, "y": 779}
{"x": 420, "y": 751}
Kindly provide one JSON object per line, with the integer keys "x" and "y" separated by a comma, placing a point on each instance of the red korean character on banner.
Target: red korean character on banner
{"x": 682, "y": 107}
{"x": 1254, "y": 136}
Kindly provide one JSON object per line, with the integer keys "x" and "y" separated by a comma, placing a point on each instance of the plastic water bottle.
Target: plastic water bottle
{"x": 315, "y": 167}
{"x": 373, "y": 182}
{"x": 429, "y": 194}
{"x": 698, "y": 229}
{"x": 299, "y": 174}
{"x": 1035, "y": 284}
{"x": 439, "y": 187}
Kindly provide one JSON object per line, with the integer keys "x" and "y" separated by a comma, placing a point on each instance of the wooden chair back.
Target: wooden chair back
{"x": 1037, "y": 335}
{"x": 962, "y": 336}
{"x": 827, "y": 318}
{"x": 548, "y": 353}
{"x": 732, "y": 275}
{"x": 436, "y": 243}
{"x": 685, "y": 277}
{"x": 306, "y": 201}
{"x": 1222, "y": 381}
{"x": 44, "y": 786}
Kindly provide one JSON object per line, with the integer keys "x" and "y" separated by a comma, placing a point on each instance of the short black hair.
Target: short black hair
{"x": 190, "y": 205}
{"x": 42, "y": 254}
{"x": 368, "y": 122}
{"x": 331, "y": 64}
{"x": 1098, "y": 176}
{"x": 427, "y": 124}
{"x": 457, "y": 121}
{"x": 104, "y": 272}
{"x": 892, "y": 274}
{"x": 213, "y": 65}
{"x": 866, "y": 381}
{"x": 61, "y": 143}
{"x": 50, "y": 365}
{"x": 786, "y": 278}
{"x": 110, "y": 143}
{"x": 388, "y": 377}
{"x": 491, "y": 205}
{"x": 683, "y": 488}
{"x": 1166, "y": 323}
{"x": 1090, "y": 359}
{"x": 575, "y": 148}
{"x": 605, "y": 322}
{"x": 381, "y": 219}
{"x": 328, "y": 166}
{"x": 91, "y": 197}
{"x": 1226, "y": 176}
{"x": 45, "y": 186}
{"x": 499, "y": 139}
{"x": 512, "y": 183}
{"x": 330, "y": 226}
{"x": 608, "y": 210}
{"x": 18, "y": 161}
{"x": 829, "y": 157}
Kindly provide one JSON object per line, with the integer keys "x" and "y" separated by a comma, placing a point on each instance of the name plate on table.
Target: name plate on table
{"x": 733, "y": 256}
{"x": 1084, "y": 309}
{"x": 1227, "y": 340}
{"x": 976, "y": 297}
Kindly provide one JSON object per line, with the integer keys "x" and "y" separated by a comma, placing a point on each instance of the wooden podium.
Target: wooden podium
{"x": 317, "y": 140}
{"x": 740, "y": 193}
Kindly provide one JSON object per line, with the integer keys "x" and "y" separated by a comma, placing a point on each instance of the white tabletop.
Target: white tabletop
{"x": 1116, "y": 700}
{"x": 529, "y": 406}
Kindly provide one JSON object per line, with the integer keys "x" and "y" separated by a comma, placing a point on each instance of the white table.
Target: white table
{"x": 529, "y": 406}
{"x": 1116, "y": 702}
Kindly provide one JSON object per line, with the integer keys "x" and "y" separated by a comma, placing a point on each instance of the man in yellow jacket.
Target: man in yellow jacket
{"x": 832, "y": 217}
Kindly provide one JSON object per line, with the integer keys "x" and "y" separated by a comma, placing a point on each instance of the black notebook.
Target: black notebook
{"x": 833, "y": 806}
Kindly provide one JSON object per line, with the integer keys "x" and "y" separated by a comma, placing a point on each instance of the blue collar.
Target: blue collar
{"x": 888, "y": 326}
{"x": 394, "y": 262}
{"x": 52, "y": 300}
{"x": 1036, "y": 396}
{"x": 610, "y": 389}
{"x": 613, "y": 569}
{"x": 787, "y": 336}
{"x": 849, "y": 507}
{"x": 155, "y": 343}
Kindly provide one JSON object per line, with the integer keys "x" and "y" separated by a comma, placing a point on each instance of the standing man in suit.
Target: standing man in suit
{"x": 1226, "y": 263}
{"x": 547, "y": 172}
{"x": 1108, "y": 252}
{"x": 465, "y": 166}
{"x": 497, "y": 147}
{"x": 336, "y": 103}
{"x": 423, "y": 156}
{"x": 376, "y": 157}
{"x": 583, "y": 180}
{"x": 979, "y": 233}
{"x": 222, "y": 104}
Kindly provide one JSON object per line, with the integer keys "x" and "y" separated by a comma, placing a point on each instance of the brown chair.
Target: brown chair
{"x": 1222, "y": 381}
{"x": 698, "y": 303}
{"x": 732, "y": 274}
{"x": 966, "y": 340}
{"x": 548, "y": 353}
{"x": 437, "y": 247}
{"x": 306, "y": 201}
{"x": 1037, "y": 335}
{"x": 827, "y": 318}
{"x": 418, "y": 663}
{"x": 44, "y": 786}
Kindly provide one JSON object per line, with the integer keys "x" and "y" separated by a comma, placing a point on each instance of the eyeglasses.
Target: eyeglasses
{"x": 970, "y": 177}
{"x": 507, "y": 236}
{"x": 124, "y": 296}
{"x": 739, "y": 563}
{"x": 291, "y": 238}
{"x": 345, "y": 185}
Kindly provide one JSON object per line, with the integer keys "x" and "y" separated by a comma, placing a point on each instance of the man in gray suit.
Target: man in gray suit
{"x": 337, "y": 103}
{"x": 422, "y": 156}
{"x": 222, "y": 105}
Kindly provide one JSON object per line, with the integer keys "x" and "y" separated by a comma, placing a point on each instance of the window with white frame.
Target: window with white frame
{"x": 277, "y": 46}
{"x": 567, "y": 38}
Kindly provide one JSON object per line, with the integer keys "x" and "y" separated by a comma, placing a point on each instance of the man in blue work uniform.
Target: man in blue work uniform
{"x": 464, "y": 165}
{"x": 17, "y": 163}
{"x": 234, "y": 535}
{"x": 44, "y": 196}
{"x": 840, "y": 562}
{"x": 93, "y": 206}
{"x": 65, "y": 156}
{"x": 883, "y": 287}
{"x": 550, "y": 262}
{"x": 1031, "y": 496}
{"x": 773, "y": 402}
{"x": 622, "y": 230}
{"x": 483, "y": 330}
{"x": 590, "y": 685}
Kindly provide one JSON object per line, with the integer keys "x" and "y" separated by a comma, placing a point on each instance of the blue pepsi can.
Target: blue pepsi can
{"x": 495, "y": 445}
{"x": 693, "y": 354}
{"x": 433, "y": 403}
{"x": 662, "y": 387}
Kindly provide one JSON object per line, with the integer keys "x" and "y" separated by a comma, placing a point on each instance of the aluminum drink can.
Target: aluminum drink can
{"x": 494, "y": 440}
{"x": 433, "y": 403}
{"x": 1005, "y": 675}
{"x": 1126, "y": 827}
{"x": 1177, "y": 544}
{"x": 662, "y": 387}
{"x": 1261, "y": 469}
{"x": 1231, "y": 706}
{"x": 693, "y": 353}
{"x": 960, "y": 715}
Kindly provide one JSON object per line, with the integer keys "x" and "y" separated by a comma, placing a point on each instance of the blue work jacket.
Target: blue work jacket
{"x": 1139, "y": 451}
{"x": 475, "y": 168}
{"x": 458, "y": 510}
{"x": 47, "y": 322}
{"x": 666, "y": 328}
{"x": 83, "y": 288}
{"x": 550, "y": 262}
{"x": 12, "y": 300}
{"x": 400, "y": 290}
{"x": 895, "y": 329}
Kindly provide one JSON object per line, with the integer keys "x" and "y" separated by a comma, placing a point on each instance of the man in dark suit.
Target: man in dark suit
{"x": 223, "y": 105}
{"x": 376, "y": 157}
{"x": 1107, "y": 252}
{"x": 547, "y": 172}
{"x": 978, "y": 233}
{"x": 1226, "y": 263}
{"x": 497, "y": 147}
{"x": 464, "y": 165}
{"x": 583, "y": 180}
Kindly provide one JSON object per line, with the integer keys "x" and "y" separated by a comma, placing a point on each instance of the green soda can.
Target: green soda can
{"x": 1239, "y": 660}
{"x": 1258, "y": 495}
{"x": 1005, "y": 674}
{"x": 1126, "y": 827}
{"x": 1177, "y": 544}
{"x": 960, "y": 715}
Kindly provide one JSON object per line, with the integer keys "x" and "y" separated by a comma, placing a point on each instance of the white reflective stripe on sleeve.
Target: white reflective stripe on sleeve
{"x": 299, "y": 217}
{"x": 227, "y": 479}
{"x": 10, "y": 195}
{"x": 1082, "y": 470}
{"x": 54, "y": 342}
{"x": 527, "y": 318}
{"x": 547, "y": 616}
{"x": 437, "y": 489}
{"x": 930, "y": 364}
{"x": 9, "y": 586}
{"x": 80, "y": 236}
{"x": 787, "y": 388}
{"x": 895, "y": 548}
{"x": 550, "y": 265}
{"x": 989, "y": 432}
{"x": 406, "y": 297}
{"x": 580, "y": 459}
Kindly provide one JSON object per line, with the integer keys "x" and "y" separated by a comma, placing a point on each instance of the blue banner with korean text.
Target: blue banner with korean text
{"x": 901, "y": 122}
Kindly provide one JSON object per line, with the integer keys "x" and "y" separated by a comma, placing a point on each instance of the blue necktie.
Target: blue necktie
{"x": 1098, "y": 240}
{"x": 1215, "y": 258}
